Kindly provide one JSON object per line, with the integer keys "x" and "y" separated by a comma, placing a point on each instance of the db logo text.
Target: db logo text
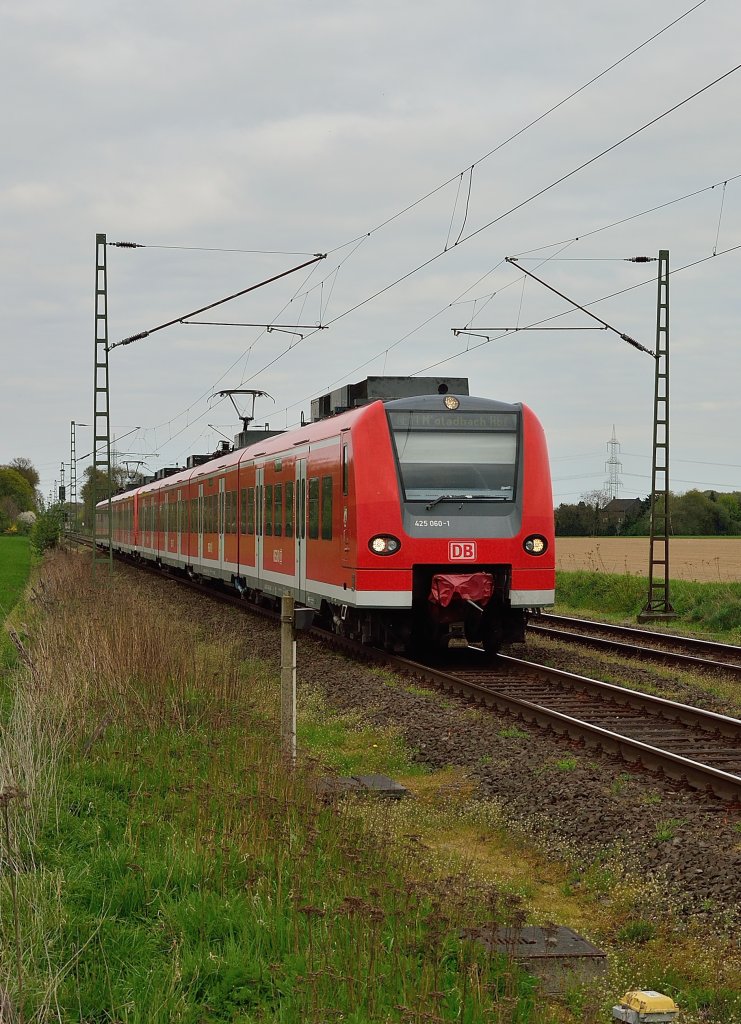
{"x": 460, "y": 551}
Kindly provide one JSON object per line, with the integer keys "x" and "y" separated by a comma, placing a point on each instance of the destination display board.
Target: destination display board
{"x": 452, "y": 421}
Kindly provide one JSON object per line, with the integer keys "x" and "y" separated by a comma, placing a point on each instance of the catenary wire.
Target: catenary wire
{"x": 522, "y": 130}
{"x": 360, "y": 238}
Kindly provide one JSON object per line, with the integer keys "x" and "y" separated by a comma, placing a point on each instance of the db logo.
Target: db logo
{"x": 461, "y": 552}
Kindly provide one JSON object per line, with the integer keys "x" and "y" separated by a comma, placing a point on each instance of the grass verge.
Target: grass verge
{"x": 159, "y": 863}
{"x": 710, "y": 608}
{"x": 15, "y": 567}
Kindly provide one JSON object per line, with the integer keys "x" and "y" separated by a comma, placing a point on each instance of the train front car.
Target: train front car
{"x": 473, "y": 524}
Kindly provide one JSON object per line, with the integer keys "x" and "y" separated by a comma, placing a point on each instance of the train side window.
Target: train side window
{"x": 243, "y": 511}
{"x": 326, "y": 508}
{"x": 231, "y": 517}
{"x": 250, "y": 510}
{"x": 289, "y": 508}
{"x": 345, "y": 469}
{"x": 313, "y": 507}
{"x": 278, "y": 510}
{"x": 268, "y": 510}
{"x": 258, "y": 508}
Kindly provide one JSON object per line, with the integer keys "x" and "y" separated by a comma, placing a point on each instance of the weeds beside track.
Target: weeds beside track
{"x": 160, "y": 863}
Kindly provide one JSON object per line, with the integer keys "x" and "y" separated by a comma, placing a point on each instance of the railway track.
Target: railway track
{"x": 697, "y": 747}
{"x": 631, "y": 642}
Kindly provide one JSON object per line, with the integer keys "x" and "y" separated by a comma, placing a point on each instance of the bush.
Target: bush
{"x": 46, "y": 531}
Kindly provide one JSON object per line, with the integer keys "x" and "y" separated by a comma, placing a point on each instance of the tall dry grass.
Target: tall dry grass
{"x": 106, "y": 654}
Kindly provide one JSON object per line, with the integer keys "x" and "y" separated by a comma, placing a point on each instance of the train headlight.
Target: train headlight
{"x": 384, "y": 544}
{"x": 451, "y": 402}
{"x": 535, "y": 545}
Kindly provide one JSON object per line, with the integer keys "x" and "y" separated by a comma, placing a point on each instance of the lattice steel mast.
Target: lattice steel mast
{"x": 102, "y": 525}
{"x": 658, "y": 605}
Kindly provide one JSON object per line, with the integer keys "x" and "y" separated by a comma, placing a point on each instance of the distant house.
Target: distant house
{"x": 614, "y": 512}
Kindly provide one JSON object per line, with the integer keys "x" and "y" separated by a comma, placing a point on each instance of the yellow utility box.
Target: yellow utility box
{"x": 645, "y": 1007}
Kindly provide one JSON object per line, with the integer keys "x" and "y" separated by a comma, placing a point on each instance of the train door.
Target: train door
{"x": 259, "y": 476}
{"x": 345, "y": 481}
{"x": 300, "y": 571}
{"x": 179, "y": 523}
{"x": 222, "y": 520}
{"x": 200, "y": 522}
{"x": 165, "y": 523}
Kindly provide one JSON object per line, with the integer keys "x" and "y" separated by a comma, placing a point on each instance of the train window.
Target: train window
{"x": 243, "y": 511}
{"x": 289, "y": 508}
{"x": 345, "y": 469}
{"x": 268, "y": 510}
{"x": 301, "y": 510}
{"x": 326, "y": 508}
{"x": 313, "y": 507}
{"x": 258, "y": 508}
{"x": 471, "y": 456}
{"x": 278, "y": 506}
{"x": 250, "y": 510}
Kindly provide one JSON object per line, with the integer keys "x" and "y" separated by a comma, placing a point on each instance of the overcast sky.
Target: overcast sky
{"x": 300, "y": 128}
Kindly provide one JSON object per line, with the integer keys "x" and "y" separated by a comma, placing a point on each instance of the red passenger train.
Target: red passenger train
{"x": 407, "y": 523}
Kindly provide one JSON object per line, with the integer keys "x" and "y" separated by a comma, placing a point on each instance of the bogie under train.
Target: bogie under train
{"x": 410, "y": 523}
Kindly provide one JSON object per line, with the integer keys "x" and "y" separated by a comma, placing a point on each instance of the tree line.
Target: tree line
{"x": 694, "y": 513}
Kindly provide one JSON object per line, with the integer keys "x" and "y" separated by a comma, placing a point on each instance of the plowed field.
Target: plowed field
{"x": 716, "y": 559}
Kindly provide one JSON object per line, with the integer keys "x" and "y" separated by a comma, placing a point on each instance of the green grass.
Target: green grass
{"x": 15, "y": 567}
{"x": 182, "y": 872}
{"x": 711, "y": 607}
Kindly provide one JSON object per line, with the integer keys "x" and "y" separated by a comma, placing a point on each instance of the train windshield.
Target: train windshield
{"x": 461, "y": 455}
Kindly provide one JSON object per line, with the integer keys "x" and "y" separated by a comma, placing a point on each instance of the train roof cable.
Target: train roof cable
{"x": 219, "y": 302}
{"x": 506, "y": 213}
{"x": 209, "y": 392}
{"x": 209, "y": 248}
{"x": 563, "y": 243}
{"x": 521, "y": 131}
{"x": 625, "y": 220}
{"x": 555, "y": 316}
{"x": 359, "y": 239}
{"x": 436, "y": 256}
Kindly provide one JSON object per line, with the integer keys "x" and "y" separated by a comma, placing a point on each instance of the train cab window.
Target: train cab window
{"x": 313, "y": 507}
{"x": 469, "y": 455}
{"x": 345, "y": 469}
{"x": 268, "y": 510}
{"x": 250, "y": 510}
{"x": 289, "y": 508}
{"x": 326, "y": 508}
{"x": 278, "y": 508}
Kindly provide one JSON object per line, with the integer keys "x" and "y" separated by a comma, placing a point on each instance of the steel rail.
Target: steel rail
{"x": 684, "y": 769}
{"x": 701, "y": 648}
{"x": 631, "y": 650}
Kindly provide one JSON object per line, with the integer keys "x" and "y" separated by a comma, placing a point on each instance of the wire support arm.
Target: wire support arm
{"x": 219, "y": 302}
{"x": 625, "y": 337}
